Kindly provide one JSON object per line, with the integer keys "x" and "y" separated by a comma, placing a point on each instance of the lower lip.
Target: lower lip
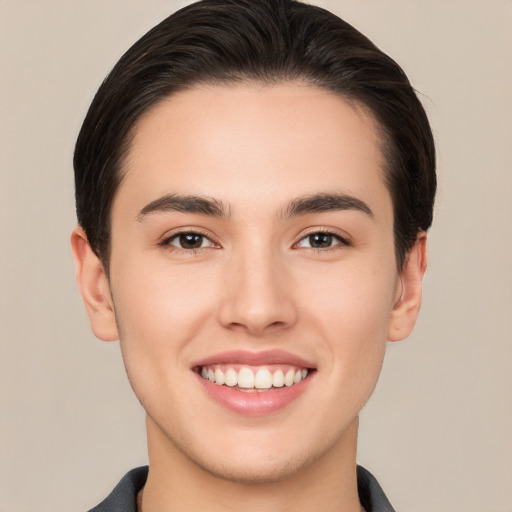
{"x": 254, "y": 403}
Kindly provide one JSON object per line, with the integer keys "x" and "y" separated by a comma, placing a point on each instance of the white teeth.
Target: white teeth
{"x": 231, "y": 377}
{"x": 246, "y": 378}
{"x": 219, "y": 377}
{"x": 278, "y": 379}
{"x": 263, "y": 379}
{"x": 288, "y": 378}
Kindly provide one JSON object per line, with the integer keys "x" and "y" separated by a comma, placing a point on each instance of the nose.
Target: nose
{"x": 257, "y": 293}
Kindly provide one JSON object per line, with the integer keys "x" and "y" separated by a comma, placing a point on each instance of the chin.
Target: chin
{"x": 253, "y": 472}
{"x": 268, "y": 459}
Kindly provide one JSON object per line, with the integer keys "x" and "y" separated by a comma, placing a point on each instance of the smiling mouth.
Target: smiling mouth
{"x": 253, "y": 378}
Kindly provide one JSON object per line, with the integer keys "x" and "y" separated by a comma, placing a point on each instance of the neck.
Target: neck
{"x": 175, "y": 482}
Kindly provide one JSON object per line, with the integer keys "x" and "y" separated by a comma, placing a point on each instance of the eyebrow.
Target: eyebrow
{"x": 315, "y": 203}
{"x": 185, "y": 204}
{"x": 325, "y": 202}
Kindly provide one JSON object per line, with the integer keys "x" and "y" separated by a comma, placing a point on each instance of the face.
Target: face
{"x": 253, "y": 275}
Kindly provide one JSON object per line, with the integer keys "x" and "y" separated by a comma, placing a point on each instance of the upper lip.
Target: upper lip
{"x": 251, "y": 358}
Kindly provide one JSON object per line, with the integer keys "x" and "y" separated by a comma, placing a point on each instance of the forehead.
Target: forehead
{"x": 251, "y": 143}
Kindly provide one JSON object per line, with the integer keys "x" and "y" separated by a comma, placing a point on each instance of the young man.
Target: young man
{"x": 254, "y": 181}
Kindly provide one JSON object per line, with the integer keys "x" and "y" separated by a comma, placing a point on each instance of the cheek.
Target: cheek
{"x": 356, "y": 302}
{"x": 159, "y": 312}
{"x": 352, "y": 313}
{"x": 154, "y": 287}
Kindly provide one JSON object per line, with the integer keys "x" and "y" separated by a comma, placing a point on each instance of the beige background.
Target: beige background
{"x": 437, "y": 432}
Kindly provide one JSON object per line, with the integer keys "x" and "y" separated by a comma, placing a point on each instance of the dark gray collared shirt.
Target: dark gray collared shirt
{"x": 124, "y": 497}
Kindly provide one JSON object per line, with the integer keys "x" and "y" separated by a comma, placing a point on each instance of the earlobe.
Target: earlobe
{"x": 407, "y": 306}
{"x": 93, "y": 284}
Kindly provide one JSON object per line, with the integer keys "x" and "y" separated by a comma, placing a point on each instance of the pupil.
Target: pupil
{"x": 191, "y": 241}
{"x": 319, "y": 240}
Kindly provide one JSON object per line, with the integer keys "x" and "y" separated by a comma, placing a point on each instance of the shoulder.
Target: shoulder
{"x": 371, "y": 495}
{"x": 124, "y": 496}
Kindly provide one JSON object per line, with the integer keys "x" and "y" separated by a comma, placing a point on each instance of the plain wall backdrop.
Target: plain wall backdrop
{"x": 436, "y": 433}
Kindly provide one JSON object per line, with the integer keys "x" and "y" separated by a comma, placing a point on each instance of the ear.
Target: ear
{"x": 94, "y": 287}
{"x": 407, "y": 306}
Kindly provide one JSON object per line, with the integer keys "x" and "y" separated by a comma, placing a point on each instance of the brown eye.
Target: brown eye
{"x": 322, "y": 240}
{"x": 189, "y": 241}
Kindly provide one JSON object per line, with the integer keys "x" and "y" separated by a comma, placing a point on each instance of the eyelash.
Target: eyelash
{"x": 167, "y": 241}
{"x": 342, "y": 241}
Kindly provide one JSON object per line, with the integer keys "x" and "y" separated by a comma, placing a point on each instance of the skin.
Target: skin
{"x": 255, "y": 284}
